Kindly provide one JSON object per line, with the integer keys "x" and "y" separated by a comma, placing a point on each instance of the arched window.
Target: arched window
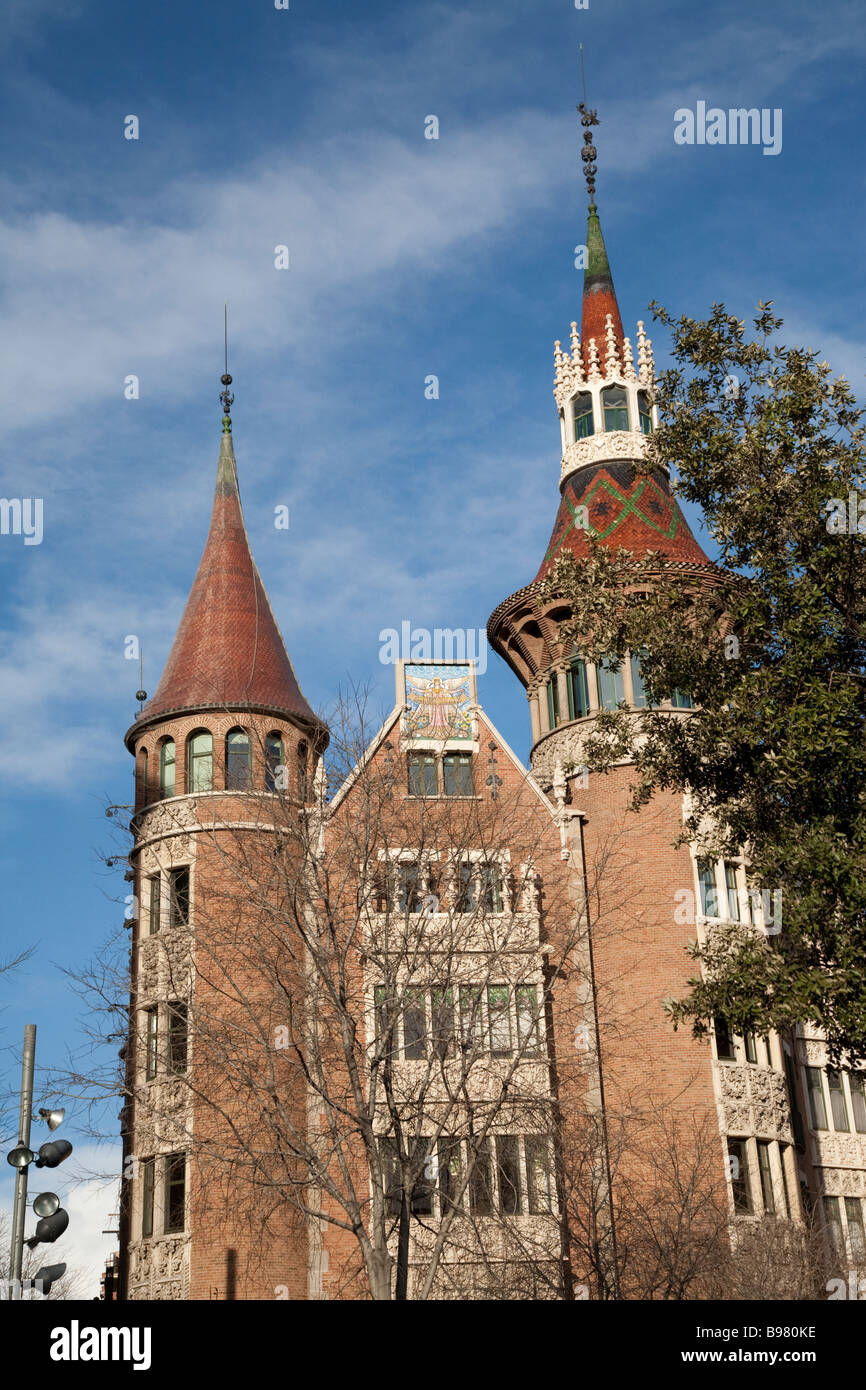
{"x": 578, "y": 689}
{"x": 142, "y": 775}
{"x": 553, "y": 701}
{"x": 584, "y": 424}
{"x": 644, "y": 411}
{"x": 615, "y": 408}
{"x": 199, "y": 772}
{"x": 302, "y": 770}
{"x": 681, "y": 699}
{"x": 641, "y": 698}
{"x": 611, "y": 689}
{"x": 275, "y": 763}
{"x": 238, "y": 761}
{"x": 166, "y": 767}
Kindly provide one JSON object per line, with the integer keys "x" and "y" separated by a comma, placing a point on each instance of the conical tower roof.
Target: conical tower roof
{"x": 228, "y": 651}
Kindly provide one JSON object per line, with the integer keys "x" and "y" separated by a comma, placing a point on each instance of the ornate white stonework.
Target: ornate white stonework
{"x": 599, "y": 448}
{"x": 753, "y": 1100}
{"x": 159, "y": 1269}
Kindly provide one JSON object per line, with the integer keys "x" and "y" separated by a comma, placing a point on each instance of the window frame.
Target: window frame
{"x": 232, "y": 784}
{"x": 170, "y": 1185}
{"x": 164, "y": 764}
{"x": 195, "y": 760}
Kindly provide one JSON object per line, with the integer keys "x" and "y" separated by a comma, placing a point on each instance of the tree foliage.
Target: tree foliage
{"x": 771, "y": 646}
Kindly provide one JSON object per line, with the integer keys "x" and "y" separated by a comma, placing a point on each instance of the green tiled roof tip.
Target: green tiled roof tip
{"x": 597, "y": 270}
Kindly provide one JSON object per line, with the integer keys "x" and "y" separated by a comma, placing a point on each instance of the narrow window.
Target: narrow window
{"x": 538, "y": 1175}
{"x": 732, "y": 891}
{"x": 302, "y": 757}
{"x": 425, "y": 1184}
{"x": 724, "y": 1041}
{"x": 384, "y": 1020}
{"x": 200, "y": 758}
{"x": 527, "y": 1020}
{"x": 858, "y": 1101}
{"x": 177, "y": 1037}
{"x": 481, "y": 1181}
{"x": 414, "y": 1025}
{"x": 500, "y": 1020}
{"x": 442, "y": 1001}
{"x": 578, "y": 689}
{"x": 749, "y": 1045}
{"x": 785, "y": 1193}
{"x": 508, "y": 1173}
{"x": 142, "y": 775}
{"x": 799, "y": 1132}
{"x": 833, "y": 1225}
{"x": 166, "y": 767}
{"x": 584, "y": 424}
{"x": 638, "y": 689}
{"x": 408, "y": 886}
{"x": 152, "y": 1035}
{"x": 154, "y": 884}
{"x": 457, "y": 774}
{"x": 449, "y": 1173}
{"x": 471, "y": 1022}
{"x": 423, "y": 775}
{"x": 766, "y": 1172}
{"x": 610, "y": 685}
{"x": 466, "y": 887}
{"x": 815, "y": 1089}
{"x": 491, "y": 887}
{"x": 644, "y": 410}
{"x": 709, "y": 891}
{"x": 553, "y": 701}
{"x": 391, "y": 1180}
{"x": 179, "y": 897}
{"x": 854, "y": 1214}
{"x": 175, "y": 1193}
{"x": 275, "y": 763}
{"x": 239, "y": 762}
{"x": 615, "y": 408}
{"x": 147, "y": 1176}
{"x": 837, "y": 1102}
{"x": 738, "y": 1171}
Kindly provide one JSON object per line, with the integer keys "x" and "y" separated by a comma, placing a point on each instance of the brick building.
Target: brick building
{"x": 401, "y": 1023}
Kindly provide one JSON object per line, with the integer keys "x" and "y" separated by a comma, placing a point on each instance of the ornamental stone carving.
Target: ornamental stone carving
{"x": 165, "y": 819}
{"x": 599, "y": 448}
{"x": 159, "y": 1269}
{"x": 843, "y": 1182}
{"x": 754, "y": 1101}
{"x": 840, "y": 1150}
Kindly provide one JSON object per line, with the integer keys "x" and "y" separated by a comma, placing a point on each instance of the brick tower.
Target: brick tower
{"x": 227, "y": 727}
{"x": 603, "y": 391}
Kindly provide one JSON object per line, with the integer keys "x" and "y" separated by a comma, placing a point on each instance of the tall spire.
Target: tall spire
{"x": 228, "y": 652}
{"x": 599, "y": 295}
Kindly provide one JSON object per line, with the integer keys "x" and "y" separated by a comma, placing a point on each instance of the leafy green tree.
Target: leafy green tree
{"x": 772, "y": 648}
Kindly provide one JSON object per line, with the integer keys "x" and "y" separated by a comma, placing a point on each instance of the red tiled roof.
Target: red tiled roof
{"x": 624, "y": 511}
{"x": 228, "y": 650}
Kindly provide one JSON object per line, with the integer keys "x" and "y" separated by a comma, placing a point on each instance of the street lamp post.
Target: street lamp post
{"x": 53, "y": 1220}
{"x": 28, "y": 1061}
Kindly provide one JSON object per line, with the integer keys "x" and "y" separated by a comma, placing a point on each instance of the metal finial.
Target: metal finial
{"x": 225, "y": 395}
{"x": 589, "y": 153}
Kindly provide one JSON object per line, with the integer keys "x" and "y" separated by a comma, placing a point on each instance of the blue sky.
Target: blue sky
{"x": 409, "y": 257}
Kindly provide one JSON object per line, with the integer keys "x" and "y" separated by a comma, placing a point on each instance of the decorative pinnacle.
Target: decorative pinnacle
{"x": 589, "y": 153}
{"x": 225, "y": 395}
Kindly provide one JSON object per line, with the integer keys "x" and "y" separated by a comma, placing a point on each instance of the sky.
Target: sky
{"x": 408, "y": 258}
